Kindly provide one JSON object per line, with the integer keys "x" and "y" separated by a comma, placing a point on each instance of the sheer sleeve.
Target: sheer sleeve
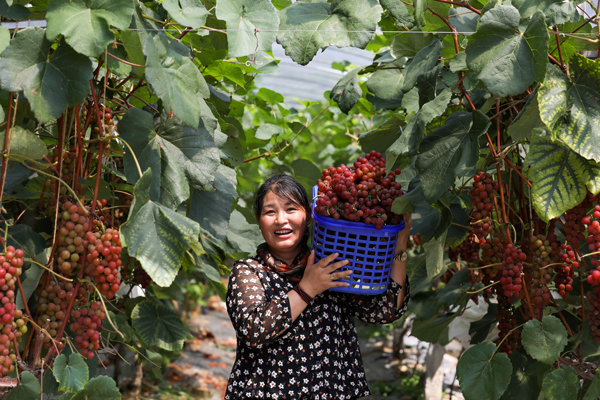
{"x": 380, "y": 309}
{"x": 258, "y": 319}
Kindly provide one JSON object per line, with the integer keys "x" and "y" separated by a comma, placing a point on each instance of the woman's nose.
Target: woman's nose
{"x": 281, "y": 217}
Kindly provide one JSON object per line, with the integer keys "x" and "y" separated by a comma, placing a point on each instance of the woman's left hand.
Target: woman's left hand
{"x": 404, "y": 235}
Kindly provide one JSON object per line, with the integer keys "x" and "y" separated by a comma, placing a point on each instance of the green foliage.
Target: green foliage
{"x": 307, "y": 27}
{"x": 158, "y": 326}
{"x": 28, "y": 389}
{"x": 544, "y": 340}
{"x": 483, "y": 373}
{"x": 50, "y": 82}
{"x": 190, "y": 13}
{"x": 72, "y": 374}
{"x": 561, "y": 384}
{"x": 347, "y": 92}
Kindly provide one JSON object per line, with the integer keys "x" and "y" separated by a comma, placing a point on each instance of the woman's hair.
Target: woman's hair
{"x": 285, "y": 187}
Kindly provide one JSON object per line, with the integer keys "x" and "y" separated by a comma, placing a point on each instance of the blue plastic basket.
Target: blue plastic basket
{"x": 369, "y": 250}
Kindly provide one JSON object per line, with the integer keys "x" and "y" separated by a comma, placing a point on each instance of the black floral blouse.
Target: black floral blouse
{"x": 317, "y": 356}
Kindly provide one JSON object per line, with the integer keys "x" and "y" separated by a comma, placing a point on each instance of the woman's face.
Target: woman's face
{"x": 283, "y": 225}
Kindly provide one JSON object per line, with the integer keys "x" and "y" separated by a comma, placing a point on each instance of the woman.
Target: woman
{"x": 296, "y": 340}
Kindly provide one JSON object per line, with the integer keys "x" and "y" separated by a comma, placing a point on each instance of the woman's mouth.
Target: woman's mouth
{"x": 283, "y": 232}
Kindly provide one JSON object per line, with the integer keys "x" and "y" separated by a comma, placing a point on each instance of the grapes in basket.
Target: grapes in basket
{"x": 361, "y": 193}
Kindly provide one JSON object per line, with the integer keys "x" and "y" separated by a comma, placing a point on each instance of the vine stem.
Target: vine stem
{"x": 101, "y": 149}
{"x": 571, "y": 333}
{"x": 184, "y": 33}
{"x": 136, "y": 87}
{"x": 461, "y": 4}
{"x": 502, "y": 201}
{"x": 23, "y": 296}
{"x": 524, "y": 288}
{"x": 579, "y": 372}
{"x": 124, "y": 61}
{"x": 507, "y": 335}
{"x": 6, "y": 148}
{"x": 562, "y": 62}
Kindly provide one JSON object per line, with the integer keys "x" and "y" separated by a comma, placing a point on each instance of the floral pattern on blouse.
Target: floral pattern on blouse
{"x": 316, "y": 356}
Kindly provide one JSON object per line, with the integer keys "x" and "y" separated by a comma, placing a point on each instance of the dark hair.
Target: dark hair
{"x": 285, "y": 187}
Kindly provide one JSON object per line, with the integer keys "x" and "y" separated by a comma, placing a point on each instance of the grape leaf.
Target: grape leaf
{"x": 178, "y": 155}
{"x": 408, "y": 45}
{"x": 560, "y": 177}
{"x": 212, "y": 210}
{"x": 307, "y": 27}
{"x": 400, "y": 13}
{"x": 424, "y": 61}
{"x": 157, "y": 236}
{"x": 544, "y": 341}
{"x": 483, "y": 373}
{"x": 158, "y": 325}
{"x": 505, "y": 59}
{"x": 570, "y": 108}
{"x": 593, "y": 392}
{"x": 561, "y": 384}
{"x": 252, "y": 25}
{"x": 175, "y": 78}
{"x": 190, "y": 13}
{"x": 387, "y": 83}
{"x": 28, "y": 389}
{"x": 72, "y": 374}
{"x": 4, "y": 38}
{"x": 13, "y": 11}
{"x": 85, "y": 24}
{"x": 454, "y": 145}
{"x": 346, "y": 91}
{"x": 25, "y": 143}
{"x": 50, "y": 82}
{"x": 99, "y": 388}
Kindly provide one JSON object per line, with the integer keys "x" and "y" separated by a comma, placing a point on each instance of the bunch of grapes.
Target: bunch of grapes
{"x": 511, "y": 339}
{"x": 87, "y": 325}
{"x": 362, "y": 193}
{"x": 492, "y": 253}
{"x": 11, "y": 263}
{"x": 108, "y": 122}
{"x": 467, "y": 251}
{"x": 593, "y": 241}
{"x": 52, "y": 305}
{"x": 574, "y": 221}
{"x": 541, "y": 253}
{"x": 512, "y": 268}
{"x": 72, "y": 224}
{"x": 104, "y": 260}
{"x": 482, "y": 196}
{"x": 593, "y": 316}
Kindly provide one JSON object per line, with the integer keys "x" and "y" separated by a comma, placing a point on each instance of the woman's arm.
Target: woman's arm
{"x": 398, "y": 272}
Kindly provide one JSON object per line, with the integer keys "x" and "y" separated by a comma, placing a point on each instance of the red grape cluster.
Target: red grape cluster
{"x": 104, "y": 260}
{"x": 482, "y": 196}
{"x": 11, "y": 263}
{"x": 142, "y": 277}
{"x": 87, "y": 325}
{"x": 593, "y": 316}
{"x": 506, "y": 322}
{"x": 467, "y": 251}
{"x": 363, "y": 193}
{"x": 512, "y": 267}
{"x": 492, "y": 253}
{"x": 72, "y": 224}
{"x": 593, "y": 241}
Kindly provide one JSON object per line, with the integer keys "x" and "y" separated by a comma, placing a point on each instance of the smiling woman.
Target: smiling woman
{"x": 295, "y": 338}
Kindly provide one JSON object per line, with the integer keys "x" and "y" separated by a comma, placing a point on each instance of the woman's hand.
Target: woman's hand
{"x": 403, "y": 236}
{"x": 322, "y": 276}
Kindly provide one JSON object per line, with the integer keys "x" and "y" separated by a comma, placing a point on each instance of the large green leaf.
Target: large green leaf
{"x": 212, "y": 210}
{"x": 408, "y": 45}
{"x": 72, "y": 374}
{"x": 50, "y": 82}
{"x": 251, "y": 24}
{"x": 175, "y": 78}
{"x": 307, "y": 27}
{"x": 4, "y": 38}
{"x": 242, "y": 237}
{"x": 13, "y": 11}
{"x": 386, "y": 83}
{"x": 559, "y": 176}
{"x": 178, "y": 155}
{"x": 556, "y": 11}
{"x": 524, "y": 383}
{"x": 85, "y": 24}
{"x": 544, "y": 340}
{"x": 528, "y": 118}
{"x": 505, "y": 59}
{"x": 463, "y": 20}
{"x": 158, "y": 325}
{"x": 424, "y": 61}
{"x": 434, "y": 329}
{"x": 400, "y": 13}
{"x": 346, "y": 92}
{"x": 190, "y": 13}
{"x": 382, "y": 137}
{"x": 454, "y": 145}
{"x": 420, "y": 10}
{"x": 157, "y": 236}
{"x": 593, "y": 392}
{"x": 99, "y": 388}
{"x": 570, "y": 107}
{"x": 25, "y": 143}
{"x": 412, "y": 134}
{"x": 561, "y": 384}
{"x": 483, "y": 373}
{"x": 28, "y": 389}
{"x": 480, "y": 329}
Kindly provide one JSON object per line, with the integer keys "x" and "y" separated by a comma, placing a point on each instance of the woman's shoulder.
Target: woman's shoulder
{"x": 253, "y": 263}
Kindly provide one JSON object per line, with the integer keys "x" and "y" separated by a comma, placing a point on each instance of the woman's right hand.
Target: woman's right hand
{"x": 318, "y": 277}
